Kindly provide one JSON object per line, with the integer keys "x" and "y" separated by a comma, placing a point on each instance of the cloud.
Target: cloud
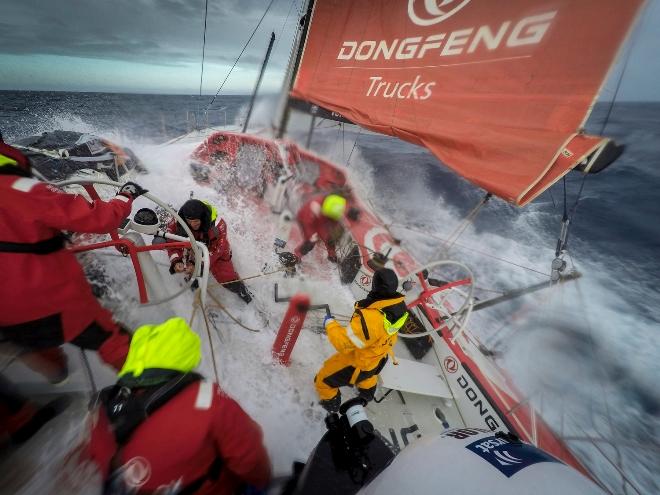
{"x": 160, "y": 32}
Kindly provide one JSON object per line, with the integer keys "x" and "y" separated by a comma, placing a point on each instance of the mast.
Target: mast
{"x": 261, "y": 75}
{"x": 293, "y": 70}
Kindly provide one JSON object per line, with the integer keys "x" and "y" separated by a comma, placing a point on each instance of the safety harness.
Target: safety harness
{"x": 127, "y": 410}
{"x": 47, "y": 246}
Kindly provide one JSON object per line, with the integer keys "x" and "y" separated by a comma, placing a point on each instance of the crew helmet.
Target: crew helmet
{"x": 170, "y": 345}
{"x": 333, "y": 207}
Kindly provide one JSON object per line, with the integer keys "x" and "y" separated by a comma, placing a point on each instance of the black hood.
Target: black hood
{"x": 195, "y": 209}
{"x": 383, "y": 286}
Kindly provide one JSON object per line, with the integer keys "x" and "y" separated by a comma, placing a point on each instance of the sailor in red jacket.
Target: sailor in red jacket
{"x": 45, "y": 299}
{"x": 319, "y": 218}
{"x": 201, "y": 217}
{"x": 165, "y": 429}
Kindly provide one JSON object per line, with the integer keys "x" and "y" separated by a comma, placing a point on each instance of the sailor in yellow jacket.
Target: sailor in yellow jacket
{"x": 363, "y": 346}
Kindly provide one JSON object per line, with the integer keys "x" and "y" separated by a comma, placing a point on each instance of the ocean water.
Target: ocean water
{"x": 587, "y": 354}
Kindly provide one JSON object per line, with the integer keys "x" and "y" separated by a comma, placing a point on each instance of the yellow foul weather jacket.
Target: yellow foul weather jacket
{"x": 371, "y": 334}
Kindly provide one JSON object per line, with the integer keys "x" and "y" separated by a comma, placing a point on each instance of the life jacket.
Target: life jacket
{"x": 127, "y": 408}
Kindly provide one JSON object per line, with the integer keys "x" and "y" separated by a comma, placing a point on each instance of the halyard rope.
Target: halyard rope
{"x": 223, "y": 308}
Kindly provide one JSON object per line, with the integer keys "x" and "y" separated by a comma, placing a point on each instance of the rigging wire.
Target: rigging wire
{"x": 460, "y": 229}
{"x": 88, "y": 372}
{"x": 461, "y": 246}
{"x": 201, "y": 76}
{"x": 626, "y": 59}
{"x": 348, "y": 161}
{"x": 552, "y": 197}
{"x": 284, "y": 25}
{"x": 240, "y": 55}
{"x": 343, "y": 151}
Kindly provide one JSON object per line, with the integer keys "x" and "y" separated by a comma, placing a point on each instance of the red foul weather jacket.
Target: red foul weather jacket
{"x": 38, "y": 285}
{"x": 220, "y": 254}
{"x": 177, "y": 444}
{"x": 312, "y": 222}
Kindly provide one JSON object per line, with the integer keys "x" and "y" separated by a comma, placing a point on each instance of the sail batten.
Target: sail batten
{"x": 497, "y": 91}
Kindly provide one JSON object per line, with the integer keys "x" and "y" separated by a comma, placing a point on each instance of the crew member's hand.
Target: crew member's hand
{"x": 131, "y": 190}
{"x": 177, "y": 266}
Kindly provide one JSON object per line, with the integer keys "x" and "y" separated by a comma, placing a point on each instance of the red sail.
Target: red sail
{"x": 496, "y": 90}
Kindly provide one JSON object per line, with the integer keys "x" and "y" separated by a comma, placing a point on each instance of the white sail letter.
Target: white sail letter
{"x": 455, "y": 42}
{"x": 386, "y": 51}
{"x": 408, "y": 48}
{"x": 489, "y": 39}
{"x": 530, "y": 30}
{"x": 347, "y": 50}
{"x": 365, "y": 55}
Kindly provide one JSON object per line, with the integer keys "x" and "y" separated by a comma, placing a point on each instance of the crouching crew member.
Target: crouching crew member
{"x": 319, "y": 218}
{"x": 202, "y": 218}
{"x": 45, "y": 299}
{"x": 164, "y": 429}
{"x": 364, "y": 345}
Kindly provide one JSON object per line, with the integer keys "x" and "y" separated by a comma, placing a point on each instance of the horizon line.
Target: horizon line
{"x": 226, "y": 95}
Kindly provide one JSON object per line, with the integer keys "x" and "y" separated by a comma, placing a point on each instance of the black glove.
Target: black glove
{"x": 131, "y": 190}
{"x": 353, "y": 214}
{"x": 288, "y": 259}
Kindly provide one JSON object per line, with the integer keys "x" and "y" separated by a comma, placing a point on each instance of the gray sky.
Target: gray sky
{"x": 154, "y": 46}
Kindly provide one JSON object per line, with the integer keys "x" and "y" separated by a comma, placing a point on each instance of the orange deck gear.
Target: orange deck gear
{"x": 363, "y": 347}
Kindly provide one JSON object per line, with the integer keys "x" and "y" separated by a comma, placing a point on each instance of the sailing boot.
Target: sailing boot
{"x": 367, "y": 393}
{"x": 240, "y": 289}
{"x": 331, "y": 405}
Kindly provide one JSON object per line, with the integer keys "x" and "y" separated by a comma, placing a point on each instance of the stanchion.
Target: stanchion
{"x": 290, "y": 328}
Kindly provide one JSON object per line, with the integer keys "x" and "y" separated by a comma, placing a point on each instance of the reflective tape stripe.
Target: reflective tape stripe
{"x": 204, "y": 395}
{"x": 5, "y": 160}
{"x": 122, "y": 198}
{"x": 174, "y": 256}
{"x": 352, "y": 337}
{"x": 212, "y": 210}
{"x": 24, "y": 184}
{"x": 392, "y": 328}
